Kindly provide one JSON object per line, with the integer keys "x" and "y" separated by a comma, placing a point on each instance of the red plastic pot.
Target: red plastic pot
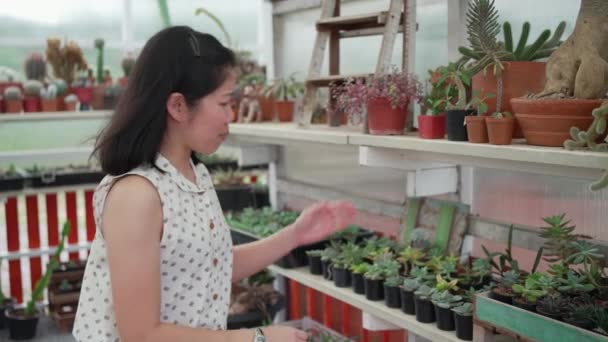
{"x": 31, "y": 104}
{"x": 383, "y": 119}
{"x": 431, "y": 126}
{"x": 84, "y": 94}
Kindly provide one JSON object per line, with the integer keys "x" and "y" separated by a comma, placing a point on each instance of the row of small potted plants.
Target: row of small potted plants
{"x": 573, "y": 290}
{"x": 414, "y": 277}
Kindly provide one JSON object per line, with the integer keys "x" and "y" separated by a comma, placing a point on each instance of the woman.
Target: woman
{"x": 162, "y": 262}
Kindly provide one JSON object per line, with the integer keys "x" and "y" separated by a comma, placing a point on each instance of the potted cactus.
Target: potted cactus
{"x": 500, "y": 128}
{"x": 127, "y": 65}
{"x": 528, "y": 293}
{"x": 71, "y": 102}
{"x": 31, "y": 90}
{"x": 22, "y": 322}
{"x": 48, "y": 97}
{"x": 35, "y": 67}
{"x": 111, "y": 96}
{"x": 13, "y": 98}
{"x": 284, "y": 91}
{"x": 99, "y": 89}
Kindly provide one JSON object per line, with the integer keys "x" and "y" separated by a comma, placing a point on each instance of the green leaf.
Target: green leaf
{"x": 518, "y": 288}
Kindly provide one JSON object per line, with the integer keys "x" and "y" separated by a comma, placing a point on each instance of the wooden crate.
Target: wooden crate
{"x": 526, "y": 325}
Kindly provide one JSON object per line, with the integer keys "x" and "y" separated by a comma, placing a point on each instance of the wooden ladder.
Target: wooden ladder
{"x": 331, "y": 27}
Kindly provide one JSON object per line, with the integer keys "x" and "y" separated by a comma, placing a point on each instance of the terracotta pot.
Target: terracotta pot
{"x": 284, "y": 110}
{"x": 431, "y": 126}
{"x": 14, "y": 106}
{"x": 500, "y": 131}
{"x": 561, "y": 107}
{"x": 476, "y": 129}
{"x": 554, "y": 139}
{"x": 31, "y": 104}
{"x": 70, "y": 106}
{"x": 383, "y": 119}
{"x": 267, "y": 107}
{"x": 518, "y": 79}
{"x": 548, "y": 122}
{"x": 553, "y": 123}
{"x": 49, "y": 105}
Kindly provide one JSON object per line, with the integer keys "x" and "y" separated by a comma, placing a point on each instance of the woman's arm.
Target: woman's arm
{"x": 314, "y": 224}
{"x": 132, "y": 227}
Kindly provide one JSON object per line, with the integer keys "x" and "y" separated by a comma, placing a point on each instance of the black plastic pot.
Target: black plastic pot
{"x": 588, "y": 325}
{"x": 374, "y": 289}
{"x": 235, "y": 198}
{"x": 392, "y": 296}
{"x": 407, "y": 302}
{"x": 326, "y": 269}
{"x": 19, "y": 327}
{"x": 445, "y": 319}
{"x": 297, "y": 257}
{"x": 314, "y": 264}
{"x": 12, "y": 183}
{"x": 358, "y": 283}
{"x": 556, "y": 316}
{"x": 341, "y": 277}
{"x": 67, "y": 177}
{"x": 454, "y": 124}
{"x": 524, "y": 305}
{"x": 425, "y": 310}
{"x": 6, "y": 305}
{"x": 501, "y": 298}
{"x": 464, "y": 327}
{"x": 239, "y": 237}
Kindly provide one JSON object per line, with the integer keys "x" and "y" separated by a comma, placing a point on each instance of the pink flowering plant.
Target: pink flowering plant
{"x": 400, "y": 88}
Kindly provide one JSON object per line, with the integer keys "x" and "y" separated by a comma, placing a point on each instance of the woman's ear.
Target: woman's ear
{"x": 177, "y": 107}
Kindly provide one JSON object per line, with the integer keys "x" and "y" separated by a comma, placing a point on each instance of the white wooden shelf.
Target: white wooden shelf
{"x": 284, "y": 132}
{"x": 398, "y": 151}
{"x": 377, "y": 309}
{"x": 52, "y": 116}
{"x": 516, "y": 157}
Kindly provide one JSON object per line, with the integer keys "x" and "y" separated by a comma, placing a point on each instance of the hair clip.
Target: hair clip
{"x": 194, "y": 44}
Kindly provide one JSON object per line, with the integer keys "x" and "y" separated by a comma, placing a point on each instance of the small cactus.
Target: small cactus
{"x": 62, "y": 87}
{"x": 49, "y": 93}
{"x": 35, "y": 67}
{"x": 13, "y": 93}
{"x": 127, "y": 65}
{"x": 32, "y": 88}
{"x": 71, "y": 98}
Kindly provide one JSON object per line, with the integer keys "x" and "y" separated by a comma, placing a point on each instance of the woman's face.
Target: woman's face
{"x": 208, "y": 124}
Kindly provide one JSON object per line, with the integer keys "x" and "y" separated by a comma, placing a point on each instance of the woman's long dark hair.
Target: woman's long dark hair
{"x": 176, "y": 59}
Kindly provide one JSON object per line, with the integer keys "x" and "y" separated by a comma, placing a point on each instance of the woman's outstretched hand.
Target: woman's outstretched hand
{"x": 321, "y": 220}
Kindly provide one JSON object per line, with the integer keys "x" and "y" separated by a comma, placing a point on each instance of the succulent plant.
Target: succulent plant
{"x": 465, "y": 309}
{"x": 410, "y": 284}
{"x": 49, "y": 92}
{"x": 445, "y": 299}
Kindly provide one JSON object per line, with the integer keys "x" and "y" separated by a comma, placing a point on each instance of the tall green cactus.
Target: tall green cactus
{"x": 542, "y": 47}
{"x": 43, "y": 283}
{"x": 99, "y": 43}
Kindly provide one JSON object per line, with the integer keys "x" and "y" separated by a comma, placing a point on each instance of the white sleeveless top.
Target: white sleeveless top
{"x": 195, "y": 254}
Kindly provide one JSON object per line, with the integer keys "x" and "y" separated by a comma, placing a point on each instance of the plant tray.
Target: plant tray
{"x": 222, "y": 166}
{"x": 12, "y": 183}
{"x": 240, "y": 237}
{"x": 528, "y": 325}
{"x": 318, "y": 331}
{"x": 235, "y": 198}
{"x": 66, "y": 178}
